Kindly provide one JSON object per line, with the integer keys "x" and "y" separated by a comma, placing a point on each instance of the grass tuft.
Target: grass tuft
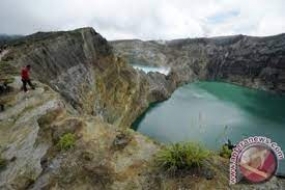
{"x": 181, "y": 156}
{"x": 67, "y": 141}
{"x": 225, "y": 152}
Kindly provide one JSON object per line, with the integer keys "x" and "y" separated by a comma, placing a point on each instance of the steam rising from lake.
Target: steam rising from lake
{"x": 147, "y": 69}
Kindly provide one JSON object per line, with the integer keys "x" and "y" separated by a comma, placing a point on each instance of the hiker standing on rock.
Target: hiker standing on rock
{"x": 25, "y": 74}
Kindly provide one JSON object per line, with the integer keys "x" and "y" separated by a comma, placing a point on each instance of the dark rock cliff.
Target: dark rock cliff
{"x": 257, "y": 62}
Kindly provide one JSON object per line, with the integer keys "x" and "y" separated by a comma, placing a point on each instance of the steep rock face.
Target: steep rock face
{"x": 141, "y": 53}
{"x": 257, "y": 62}
{"x": 102, "y": 156}
{"x": 20, "y": 144}
{"x": 81, "y": 66}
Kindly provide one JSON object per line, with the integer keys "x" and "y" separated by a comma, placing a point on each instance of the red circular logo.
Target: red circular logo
{"x": 257, "y": 163}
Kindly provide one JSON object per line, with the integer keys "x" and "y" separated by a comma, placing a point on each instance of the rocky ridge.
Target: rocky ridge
{"x": 80, "y": 66}
{"x": 256, "y": 62}
{"x": 87, "y": 91}
{"x": 82, "y": 85}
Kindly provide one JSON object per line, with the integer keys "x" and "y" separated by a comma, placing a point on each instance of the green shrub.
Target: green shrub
{"x": 3, "y": 163}
{"x": 66, "y": 141}
{"x": 225, "y": 152}
{"x": 181, "y": 156}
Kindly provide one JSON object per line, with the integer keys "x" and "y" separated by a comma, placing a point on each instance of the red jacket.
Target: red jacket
{"x": 25, "y": 74}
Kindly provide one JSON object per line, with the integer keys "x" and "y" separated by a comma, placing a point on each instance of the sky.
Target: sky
{"x": 145, "y": 19}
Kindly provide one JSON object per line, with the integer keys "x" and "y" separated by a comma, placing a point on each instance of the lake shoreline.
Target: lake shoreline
{"x": 250, "y": 106}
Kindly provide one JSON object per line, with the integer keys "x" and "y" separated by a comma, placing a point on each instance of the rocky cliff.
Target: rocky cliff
{"x": 34, "y": 153}
{"x": 72, "y": 131}
{"x": 257, "y": 62}
{"x": 86, "y": 91}
{"x": 80, "y": 65}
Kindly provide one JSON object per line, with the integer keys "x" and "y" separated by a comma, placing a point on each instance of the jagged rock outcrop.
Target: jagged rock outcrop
{"x": 32, "y": 127}
{"x": 19, "y": 134}
{"x": 102, "y": 155}
{"x": 257, "y": 62}
{"x": 141, "y": 53}
{"x": 92, "y": 95}
{"x": 80, "y": 65}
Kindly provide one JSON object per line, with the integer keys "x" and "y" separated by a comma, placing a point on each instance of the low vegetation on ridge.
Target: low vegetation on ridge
{"x": 225, "y": 152}
{"x": 181, "y": 156}
{"x": 67, "y": 141}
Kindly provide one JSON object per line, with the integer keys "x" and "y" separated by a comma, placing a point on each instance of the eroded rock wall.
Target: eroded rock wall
{"x": 257, "y": 62}
{"x": 104, "y": 90}
{"x": 81, "y": 66}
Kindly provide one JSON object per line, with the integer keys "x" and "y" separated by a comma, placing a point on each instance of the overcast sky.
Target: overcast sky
{"x": 145, "y": 19}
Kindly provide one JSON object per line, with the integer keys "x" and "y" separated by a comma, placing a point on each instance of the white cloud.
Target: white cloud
{"x": 145, "y": 19}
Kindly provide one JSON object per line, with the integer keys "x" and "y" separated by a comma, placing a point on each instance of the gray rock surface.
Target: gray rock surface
{"x": 95, "y": 96}
{"x": 257, "y": 62}
{"x": 81, "y": 66}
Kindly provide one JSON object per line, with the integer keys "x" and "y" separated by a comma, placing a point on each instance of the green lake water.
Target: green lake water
{"x": 211, "y": 112}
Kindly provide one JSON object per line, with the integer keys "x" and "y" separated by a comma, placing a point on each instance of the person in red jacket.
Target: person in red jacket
{"x": 25, "y": 74}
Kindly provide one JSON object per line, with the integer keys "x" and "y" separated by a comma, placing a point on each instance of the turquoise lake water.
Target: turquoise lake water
{"x": 211, "y": 112}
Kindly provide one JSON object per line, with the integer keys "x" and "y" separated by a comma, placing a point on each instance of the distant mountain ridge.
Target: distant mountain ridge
{"x": 256, "y": 62}
{"x": 5, "y": 38}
